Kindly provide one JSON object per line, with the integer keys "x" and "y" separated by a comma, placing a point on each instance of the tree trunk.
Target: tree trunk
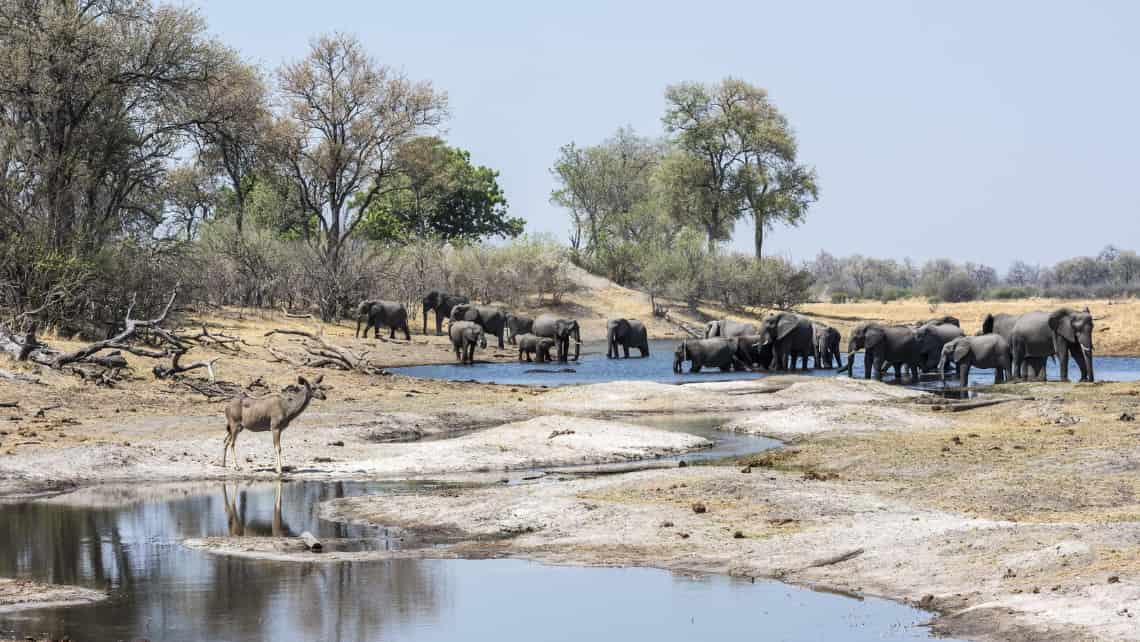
{"x": 759, "y": 237}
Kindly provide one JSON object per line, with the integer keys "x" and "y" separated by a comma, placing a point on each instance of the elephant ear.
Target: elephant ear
{"x": 1060, "y": 321}
{"x": 785, "y": 326}
{"x": 961, "y": 349}
{"x": 988, "y": 324}
{"x": 873, "y": 336}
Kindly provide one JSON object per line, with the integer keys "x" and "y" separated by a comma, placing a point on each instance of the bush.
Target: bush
{"x": 1010, "y": 292}
{"x": 894, "y": 294}
{"x": 958, "y": 287}
{"x": 839, "y": 297}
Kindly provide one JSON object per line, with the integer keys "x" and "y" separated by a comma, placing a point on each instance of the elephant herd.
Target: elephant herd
{"x": 470, "y": 324}
{"x": 1013, "y": 346}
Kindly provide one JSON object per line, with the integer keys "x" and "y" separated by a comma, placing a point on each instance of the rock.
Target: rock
{"x": 746, "y": 469}
{"x": 684, "y": 535}
{"x": 1114, "y": 579}
{"x": 699, "y": 507}
{"x": 682, "y": 464}
{"x": 957, "y": 441}
{"x": 1127, "y": 416}
{"x": 666, "y": 524}
{"x": 336, "y": 443}
{"x": 927, "y": 602}
{"x": 738, "y": 535}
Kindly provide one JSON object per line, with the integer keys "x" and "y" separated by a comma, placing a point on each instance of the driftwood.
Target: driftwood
{"x": 290, "y": 315}
{"x": 321, "y": 354}
{"x": 836, "y": 559}
{"x": 311, "y": 542}
{"x": 971, "y": 405}
{"x": 215, "y": 340}
{"x": 130, "y": 327}
{"x": 9, "y": 404}
{"x": 176, "y": 368}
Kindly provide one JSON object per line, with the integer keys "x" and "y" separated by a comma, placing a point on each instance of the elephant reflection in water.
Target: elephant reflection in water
{"x": 239, "y": 526}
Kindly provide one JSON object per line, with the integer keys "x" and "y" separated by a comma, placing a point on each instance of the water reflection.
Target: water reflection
{"x": 163, "y": 591}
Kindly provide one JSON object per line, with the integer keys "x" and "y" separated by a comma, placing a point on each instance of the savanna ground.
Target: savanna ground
{"x": 1015, "y": 521}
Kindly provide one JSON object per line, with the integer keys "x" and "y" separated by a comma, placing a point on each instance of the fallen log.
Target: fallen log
{"x": 972, "y": 405}
{"x": 311, "y": 542}
{"x": 176, "y": 368}
{"x": 131, "y": 326}
{"x": 9, "y": 404}
{"x": 326, "y": 354}
{"x": 836, "y": 559}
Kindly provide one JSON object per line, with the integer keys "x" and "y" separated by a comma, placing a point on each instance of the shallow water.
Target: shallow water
{"x": 163, "y": 591}
{"x": 594, "y": 367}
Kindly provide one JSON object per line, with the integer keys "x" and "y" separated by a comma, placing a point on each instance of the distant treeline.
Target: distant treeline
{"x": 1110, "y": 274}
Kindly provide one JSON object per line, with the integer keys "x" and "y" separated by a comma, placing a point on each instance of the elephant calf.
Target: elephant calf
{"x": 984, "y": 351}
{"x": 540, "y": 347}
{"x": 825, "y": 340}
{"x": 464, "y": 336}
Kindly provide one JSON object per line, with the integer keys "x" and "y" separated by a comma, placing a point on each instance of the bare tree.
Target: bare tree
{"x": 343, "y": 117}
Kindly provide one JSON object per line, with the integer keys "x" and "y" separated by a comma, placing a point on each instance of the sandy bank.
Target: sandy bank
{"x": 19, "y": 594}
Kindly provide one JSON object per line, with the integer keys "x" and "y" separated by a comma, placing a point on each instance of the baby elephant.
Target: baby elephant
{"x": 540, "y": 347}
{"x": 983, "y": 351}
{"x": 464, "y": 335}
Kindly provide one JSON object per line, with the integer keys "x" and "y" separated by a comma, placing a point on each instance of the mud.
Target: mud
{"x": 18, "y": 594}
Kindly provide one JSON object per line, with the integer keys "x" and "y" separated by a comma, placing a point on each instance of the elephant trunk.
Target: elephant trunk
{"x": 577, "y": 342}
{"x": 1089, "y": 361}
{"x": 847, "y": 368}
{"x": 942, "y": 368}
{"x": 611, "y": 345}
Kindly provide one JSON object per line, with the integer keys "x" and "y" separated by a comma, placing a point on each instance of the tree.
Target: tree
{"x": 605, "y": 188}
{"x": 444, "y": 197}
{"x": 737, "y": 155}
{"x": 345, "y": 117}
{"x": 1022, "y": 274}
{"x": 957, "y": 287}
{"x": 191, "y": 198}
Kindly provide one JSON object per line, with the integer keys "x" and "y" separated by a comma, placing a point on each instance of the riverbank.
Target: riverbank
{"x": 20, "y": 594}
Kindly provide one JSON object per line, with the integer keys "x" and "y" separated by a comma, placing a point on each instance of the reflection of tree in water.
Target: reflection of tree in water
{"x": 164, "y": 591}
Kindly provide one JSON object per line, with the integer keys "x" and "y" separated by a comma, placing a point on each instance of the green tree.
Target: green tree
{"x": 736, "y": 156}
{"x": 443, "y": 196}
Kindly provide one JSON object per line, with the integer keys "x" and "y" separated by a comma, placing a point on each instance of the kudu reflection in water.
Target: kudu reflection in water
{"x": 239, "y": 526}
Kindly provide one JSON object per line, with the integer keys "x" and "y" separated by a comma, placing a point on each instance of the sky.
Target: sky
{"x": 978, "y": 131}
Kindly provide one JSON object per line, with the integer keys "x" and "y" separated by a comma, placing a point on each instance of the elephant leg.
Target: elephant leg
{"x": 963, "y": 374}
{"x": 877, "y": 366}
{"x": 407, "y": 335}
{"x": 1062, "y": 349}
{"x": 898, "y": 372}
{"x": 868, "y": 365}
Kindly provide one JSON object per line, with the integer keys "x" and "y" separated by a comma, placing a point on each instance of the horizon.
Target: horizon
{"x": 901, "y": 108}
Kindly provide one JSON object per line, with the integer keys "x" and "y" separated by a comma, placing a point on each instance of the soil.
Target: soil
{"x": 19, "y": 594}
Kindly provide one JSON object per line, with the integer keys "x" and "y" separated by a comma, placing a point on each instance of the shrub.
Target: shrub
{"x": 1010, "y": 292}
{"x": 958, "y": 287}
{"x": 839, "y": 297}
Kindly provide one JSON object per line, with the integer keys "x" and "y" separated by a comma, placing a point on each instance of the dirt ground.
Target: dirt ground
{"x": 1015, "y": 521}
{"x": 16, "y": 595}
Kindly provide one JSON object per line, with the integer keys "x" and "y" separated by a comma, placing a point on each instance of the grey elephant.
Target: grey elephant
{"x": 492, "y": 319}
{"x": 382, "y": 313}
{"x": 626, "y": 334}
{"x": 882, "y": 345}
{"x": 931, "y": 336}
{"x": 727, "y": 328}
{"x": 989, "y": 351}
{"x": 714, "y": 353}
{"x": 1063, "y": 332}
{"x": 825, "y": 343}
{"x": 540, "y": 347}
{"x": 1002, "y": 324}
{"x": 441, "y": 303}
{"x": 465, "y": 335}
{"x": 563, "y": 331}
{"x": 791, "y": 337}
{"x": 518, "y": 325}
{"x": 750, "y": 349}
{"x": 944, "y": 319}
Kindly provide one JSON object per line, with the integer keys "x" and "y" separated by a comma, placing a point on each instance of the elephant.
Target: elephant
{"x": 942, "y": 320}
{"x": 626, "y": 334}
{"x": 378, "y": 313}
{"x": 791, "y": 337}
{"x": 540, "y": 347}
{"x": 716, "y": 353}
{"x": 727, "y": 328}
{"x": 750, "y": 349}
{"x": 464, "y": 335}
{"x": 516, "y": 325}
{"x": 1002, "y": 324}
{"x": 441, "y": 303}
{"x": 493, "y": 320}
{"x": 931, "y": 337}
{"x": 563, "y": 331}
{"x": 1063, "y": 332}
{"x": 984, "y": 351}
{"x": 884, "y": 344}
{"x": 825, "y": 340}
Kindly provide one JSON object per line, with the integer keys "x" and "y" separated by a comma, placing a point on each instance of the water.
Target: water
{"x": 594, "y": 367}
{"x": 163, "y": 591}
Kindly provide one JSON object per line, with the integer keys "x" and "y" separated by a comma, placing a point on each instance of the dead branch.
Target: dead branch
{"x": 836, "y": 559}
{"x": 131, "y": 326}
{"x": 290, "y": 315}
{"x": 177, "y": 368}
{"x": 207, "y": 338}
{"x": 323, "y": 353}
{"x": 9, "y": 404}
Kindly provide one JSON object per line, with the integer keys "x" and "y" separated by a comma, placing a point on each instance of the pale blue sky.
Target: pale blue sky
{"x": 937, "y": 128}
